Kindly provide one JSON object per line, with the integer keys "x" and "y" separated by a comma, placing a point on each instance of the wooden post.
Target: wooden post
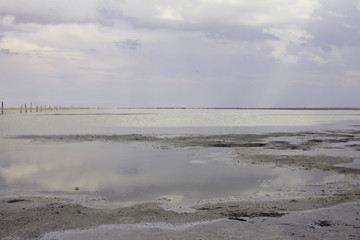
{"x": 25, "y": 108}
{"x": 2, "y": 107}
{"x": 21, "y": 109}
{"x": 30, "y": 106}
{"x": 36, "y": 108}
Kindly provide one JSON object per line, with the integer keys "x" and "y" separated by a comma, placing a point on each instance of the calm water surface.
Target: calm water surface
{"x": 174, "y": 121}
{"x": 137, "y": 172}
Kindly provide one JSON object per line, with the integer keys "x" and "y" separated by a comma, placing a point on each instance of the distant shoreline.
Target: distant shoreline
{"x": 185, "y": 108}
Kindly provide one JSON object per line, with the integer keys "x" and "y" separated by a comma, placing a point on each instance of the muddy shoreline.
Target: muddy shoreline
{"x": 31, "y": 217}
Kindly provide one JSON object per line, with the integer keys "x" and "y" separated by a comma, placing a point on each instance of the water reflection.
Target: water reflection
{"x": 135, "y": 172}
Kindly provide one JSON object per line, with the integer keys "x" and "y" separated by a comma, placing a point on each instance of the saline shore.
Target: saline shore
{"x": 331, "y": 212}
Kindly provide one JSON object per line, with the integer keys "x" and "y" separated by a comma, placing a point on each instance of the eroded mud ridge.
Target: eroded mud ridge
{"x": 280, "y": 141}
{"x": 326, "y": 151}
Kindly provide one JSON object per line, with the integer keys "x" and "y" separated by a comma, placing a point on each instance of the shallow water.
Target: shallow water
{"x": 122, "y": 171}
{"x": 138, "y": 172}
{"x": 174, "y": 121}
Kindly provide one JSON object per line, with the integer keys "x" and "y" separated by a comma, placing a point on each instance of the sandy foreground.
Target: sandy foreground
{"x": 330, "y": 212}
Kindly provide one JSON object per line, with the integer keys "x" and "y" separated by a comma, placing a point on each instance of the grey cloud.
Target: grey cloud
{"x": 48, "y": 18}
{"x": 4, "y": 51}
{"x": 338, "y": 25}
{"x": 102, "y": 16}
{"x": 56, "y": 12}
{"x": 56, "y": 17}
{"x": 111, "y": 14}
{"x": 131, "y": 44}
{"x": 240, "y": 33}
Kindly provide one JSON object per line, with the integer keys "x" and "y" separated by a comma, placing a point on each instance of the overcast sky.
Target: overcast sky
{"x": 180, "y": 53}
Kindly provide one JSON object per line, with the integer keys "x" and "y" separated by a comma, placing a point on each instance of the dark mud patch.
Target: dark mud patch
{"x": 88, "y": 138}
{"x": 354, "y": 146}
{"x": 323, "y": 223}
{"x": 283, "y": 145}
{"x": 17, "y": 200}
{"x": 243, "y": 216}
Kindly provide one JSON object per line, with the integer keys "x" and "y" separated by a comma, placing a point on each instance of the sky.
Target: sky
{"x": 188, "y": 53}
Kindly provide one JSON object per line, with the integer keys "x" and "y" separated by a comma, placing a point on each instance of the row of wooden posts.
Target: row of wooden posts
{"x": 37, "y": 108}
{"x": 25, "y": 108}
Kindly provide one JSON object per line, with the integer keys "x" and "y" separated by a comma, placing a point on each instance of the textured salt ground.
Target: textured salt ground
{"x": 31, "y": 218}
{"x": 340, "y": 222}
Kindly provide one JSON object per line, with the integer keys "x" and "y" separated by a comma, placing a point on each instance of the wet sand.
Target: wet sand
{"x": 330, "y": 212}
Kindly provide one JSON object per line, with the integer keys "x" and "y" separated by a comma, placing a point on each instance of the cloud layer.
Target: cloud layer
{"x": 199, "y": 53}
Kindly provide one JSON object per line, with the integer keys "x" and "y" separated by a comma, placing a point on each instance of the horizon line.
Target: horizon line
{"x": 225, "y": 108}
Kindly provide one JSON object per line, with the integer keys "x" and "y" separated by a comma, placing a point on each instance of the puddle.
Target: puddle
{"x": 139, "y": 172}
